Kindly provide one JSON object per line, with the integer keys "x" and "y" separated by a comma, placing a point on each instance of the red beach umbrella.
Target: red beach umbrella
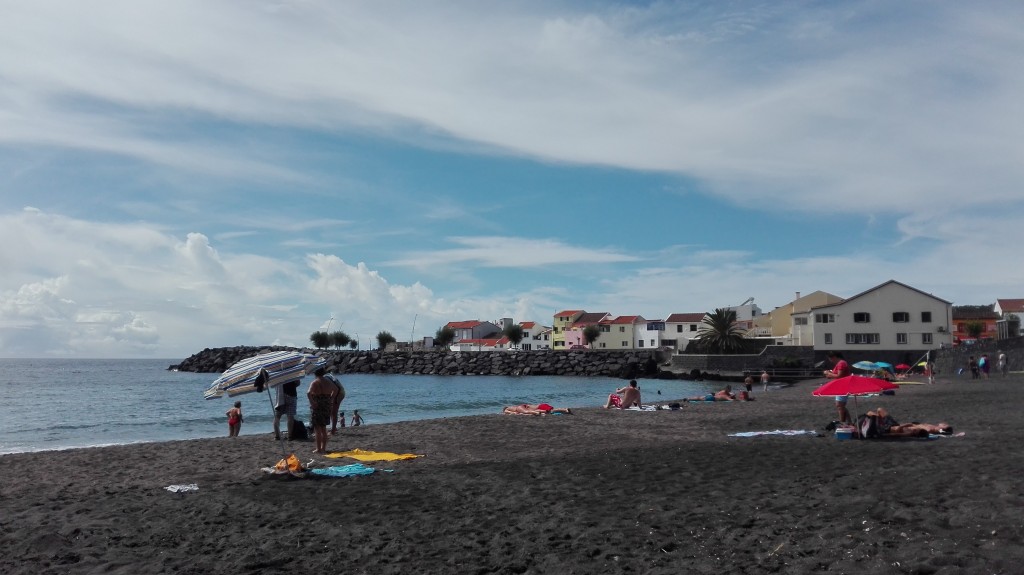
{"x": 902, "y": 366}
{"x": 854, "y": 385}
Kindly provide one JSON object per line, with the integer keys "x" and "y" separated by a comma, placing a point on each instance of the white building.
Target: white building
{"x": 890, "y": 316}
{"x": 680, "y": 328}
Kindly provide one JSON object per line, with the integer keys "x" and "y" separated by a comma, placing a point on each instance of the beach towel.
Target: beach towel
{"x": 775, "y": 432}
{"x": 362, "y": 455}
{"x": 644, "y": 408}
{"x": 350, "y": 470}
{"x": 182, "y": 488}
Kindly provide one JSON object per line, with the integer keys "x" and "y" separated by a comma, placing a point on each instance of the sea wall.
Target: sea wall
{"x": 626, "y": 364}
{"x": 949, "y": 361}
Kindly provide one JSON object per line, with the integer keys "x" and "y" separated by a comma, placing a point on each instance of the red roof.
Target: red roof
{"x": 686, "y": 318}
{"x": 463, "y": 324}
{"x": 570, "y": 312}
{"x": 528, "y": 324}
{"x": 1011, "y": 305}
{"x": 625, "y": 319}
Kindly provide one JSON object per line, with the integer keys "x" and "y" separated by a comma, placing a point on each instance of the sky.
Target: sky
{"x": 201, "y": 173}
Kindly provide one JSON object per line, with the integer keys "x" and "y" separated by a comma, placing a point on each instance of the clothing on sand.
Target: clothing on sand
{"x": 363, "y": 455}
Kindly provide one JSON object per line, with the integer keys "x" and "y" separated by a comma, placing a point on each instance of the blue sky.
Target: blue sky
{"x": 191, "y": 174}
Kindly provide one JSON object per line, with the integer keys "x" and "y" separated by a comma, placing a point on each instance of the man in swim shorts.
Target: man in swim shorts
{"x": 628, "y": 396}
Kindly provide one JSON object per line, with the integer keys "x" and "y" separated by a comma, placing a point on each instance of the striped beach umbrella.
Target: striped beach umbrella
{"x": 278, "y": 367}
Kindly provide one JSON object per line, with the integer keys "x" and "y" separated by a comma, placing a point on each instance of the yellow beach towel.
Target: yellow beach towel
{"x": 372, "y": 455}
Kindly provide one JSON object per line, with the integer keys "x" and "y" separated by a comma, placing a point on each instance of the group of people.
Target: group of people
{"x": 981, "y": 367}
{"x": 325, "y": 395}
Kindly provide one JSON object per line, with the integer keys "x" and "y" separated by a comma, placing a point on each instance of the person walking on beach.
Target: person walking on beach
{"x": 336, "y": 404}
{"x": 321, "y": 399}
{"x": 972, "y": 364}
{"x": 287, "y": 401}
{"x": 984, "y": 365}
{"x": 929, "y": 370}
{"x": 764, "y": 379}
{"x": 624, "y": 397}
{"x": 1001, "y": 364}
{"x": 234, "y": 419}
{"x": 356, "y": 418}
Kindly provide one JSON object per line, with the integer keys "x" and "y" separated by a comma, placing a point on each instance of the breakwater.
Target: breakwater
{"x": 625, "y": 364}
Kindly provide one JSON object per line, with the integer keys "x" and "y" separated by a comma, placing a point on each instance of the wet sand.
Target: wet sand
{"x": 595, "y": 492}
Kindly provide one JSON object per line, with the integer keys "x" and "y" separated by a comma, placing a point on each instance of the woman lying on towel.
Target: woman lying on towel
{"x": 530, "y": 409}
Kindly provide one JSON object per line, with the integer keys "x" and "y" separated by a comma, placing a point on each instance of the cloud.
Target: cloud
{"x": 785, "y": 106}
{"x": 511, "y": 252}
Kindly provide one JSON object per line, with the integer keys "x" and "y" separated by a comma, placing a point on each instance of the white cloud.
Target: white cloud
{"x": 510, "y": 252}
{"x": 784, "y": 106}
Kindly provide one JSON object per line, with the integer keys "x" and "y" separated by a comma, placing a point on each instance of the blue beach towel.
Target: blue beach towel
{"x": 351, "y": 470}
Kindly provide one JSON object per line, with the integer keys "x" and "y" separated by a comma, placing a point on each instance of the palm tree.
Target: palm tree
{"x": 514, "y": 333}
{"x": 590, "y": 334}
{"x": 719, "y": 333}
{"x": 444, "y": 336}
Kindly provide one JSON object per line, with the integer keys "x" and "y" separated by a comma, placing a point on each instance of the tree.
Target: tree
{"x": 384, "y": 338}
{"x": 320, "y": 339}
{"x": 975, "y": 328}
{"x": 339, "y": 339}
{"x": 514, "y": 333}
{"x": 444, "y": 336}
{"x": 590, "y": 334}
{"x": 718, "y": 332}
{"x": 354, "y": 344}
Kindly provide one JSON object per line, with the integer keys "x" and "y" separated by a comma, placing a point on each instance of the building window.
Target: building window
{"x": 693, "y": 327}
{"x": 926, "y": 338}
{"x": 640, "y": 343}
{"x": 622, "y": 329}
{"x": 862, "y": 338}
{"x": 604, "y": 328}
{"x": 901, "y": 338}
{"x": 799, "y": 321}
{"x": 656, "y": 326}
{"x": 653, "y": 344}
{"x": 861, "y": 317}
{"x": 900, "y": 317}
{"x": 824, "y": 318}
{"x": 926, "y": 317}
{"x": 828, "y": 339}
{"x": 679, "y": 328}
{"x": 603, "y": 345}
{"x": 625, "y": 343}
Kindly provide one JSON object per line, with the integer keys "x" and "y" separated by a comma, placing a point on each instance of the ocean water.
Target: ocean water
{"x": 60, "y": 404}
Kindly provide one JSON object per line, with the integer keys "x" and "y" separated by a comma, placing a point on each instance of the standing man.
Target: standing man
{"x": 839, "y": 369}
{"x": 764, "y": 379}
{"x": 287, "y": 400}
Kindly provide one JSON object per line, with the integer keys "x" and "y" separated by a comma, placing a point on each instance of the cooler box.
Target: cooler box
{"x": 844, "y": 433}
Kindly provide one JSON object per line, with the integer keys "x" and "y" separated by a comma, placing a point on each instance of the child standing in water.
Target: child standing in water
{"x": 234, "y": 419}
{"x": 356, "y": 418}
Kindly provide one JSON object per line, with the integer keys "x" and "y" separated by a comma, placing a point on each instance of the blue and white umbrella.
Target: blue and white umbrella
{"x": 280, "y": 367}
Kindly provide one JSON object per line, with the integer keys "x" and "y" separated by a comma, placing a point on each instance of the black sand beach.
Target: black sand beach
{"x": 595, "y": 492}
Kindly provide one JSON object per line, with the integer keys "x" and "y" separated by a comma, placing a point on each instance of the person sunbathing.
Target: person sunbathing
{"x": 725, "y": 394}
{"x": 889, "y": 427}
{"x": 538, "y": 409}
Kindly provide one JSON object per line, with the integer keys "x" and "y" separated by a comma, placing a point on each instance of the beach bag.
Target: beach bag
{"x": 299, "y": 431}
